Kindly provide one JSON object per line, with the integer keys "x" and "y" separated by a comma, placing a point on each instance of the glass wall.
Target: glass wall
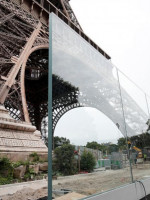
{"x": 136, "y": 110}
{"x": 99, "y": 118}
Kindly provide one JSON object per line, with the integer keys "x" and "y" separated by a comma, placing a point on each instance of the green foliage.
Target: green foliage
{"x": 113, "y": 148}
{"x": 56, "y": 173}
{"x": 141, "y": 141}
{"x": 35, "y": 156}
{"x": 17, "y": 164}
{"x": 4, "y": 163}
{"x": 88, "y": 161}
{"x": 93, "y": 145}
{"x": 122, "y": 142}
{"x": 27, "y": 176}
{"x": 59, "y": 141}
{"x": 103, "y": 148}
{"x": 100, "y": 147}
{"x": 5, "y": 180}
{"x": 43, "y": 160}
{"x": 7, "y": 168}
{"x": 64, "y": 159}
{"x": 31, "y": 171}
{"x": 6, "y": 171}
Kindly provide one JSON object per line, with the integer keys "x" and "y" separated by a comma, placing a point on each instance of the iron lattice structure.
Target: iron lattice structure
{"x": 24, "y": 62}
{"x": 24, "y": 59}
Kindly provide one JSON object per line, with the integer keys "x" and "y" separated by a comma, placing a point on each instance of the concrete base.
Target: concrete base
{"x": 23, "y": 156}
{"x": 19, "y": 139}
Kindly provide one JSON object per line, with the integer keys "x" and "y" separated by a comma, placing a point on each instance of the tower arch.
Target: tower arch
{"x": 23, "y": 91}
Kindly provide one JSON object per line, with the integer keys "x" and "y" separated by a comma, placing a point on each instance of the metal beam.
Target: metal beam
{"x": 6, "y": 18}
{"x": 8, "y": 84}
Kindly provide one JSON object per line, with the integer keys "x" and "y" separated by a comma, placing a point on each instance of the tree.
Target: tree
{"x": 141, "y": 141}
{"x": 122, "y": 143}
{"x": 88, "y": 161}
{"x": 113, "y": 148}
{"x": 59, "y": 141}
{"x": 103, "y": 148}
{"x": 93, "y": 145}
{"x": 64, "y": 159}
{"x": 97, "y": 146}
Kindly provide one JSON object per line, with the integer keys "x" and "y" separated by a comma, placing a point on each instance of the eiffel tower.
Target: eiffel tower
{"x": 24, "y": 56}
{"x": 24, "y": 42}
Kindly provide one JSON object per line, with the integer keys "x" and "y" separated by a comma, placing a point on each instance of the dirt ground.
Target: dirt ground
{"x": 85, "y": 184}
{"x": 100, "y": 181}
{"x": 26, "y": 194}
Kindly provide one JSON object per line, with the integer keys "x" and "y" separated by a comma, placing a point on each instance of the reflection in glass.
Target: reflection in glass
{"x": 99, "y": 118}
{"x": 135, "y": 105}
{"x": 85, "y": 91}
{"x": 135, "y": 108}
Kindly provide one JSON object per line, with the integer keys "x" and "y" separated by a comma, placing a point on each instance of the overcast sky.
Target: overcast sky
{"x": 122, "y": 29}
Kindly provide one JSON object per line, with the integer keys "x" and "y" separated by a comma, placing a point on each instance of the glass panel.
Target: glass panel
{"x": 136, "y": 115}
{"x": 135, "y": 107}
{"x": 87, "y": 113}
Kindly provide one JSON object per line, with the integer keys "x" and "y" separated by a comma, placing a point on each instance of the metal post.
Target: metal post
{"x": 79, "y": 159}
{"x": 50, "y": 132}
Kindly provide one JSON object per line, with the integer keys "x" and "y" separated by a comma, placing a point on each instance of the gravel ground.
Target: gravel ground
{"x": 86, "y": 184}
{"x": 27, "y": 194}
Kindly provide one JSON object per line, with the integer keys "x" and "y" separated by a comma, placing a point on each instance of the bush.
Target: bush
{"x": 35, "y": 156}
{"x": 5, "y": 180}
{"x": 64, "y": 159}
{"x": 17, "y": 164}
{"x": 6, "y": 171}
{"x": 4, "y": 163}
{"x": 6, "y": 168}
{"x": 88, "y": 161}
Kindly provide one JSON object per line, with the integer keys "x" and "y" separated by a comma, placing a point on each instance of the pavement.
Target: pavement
{"x": 13, "y": 188}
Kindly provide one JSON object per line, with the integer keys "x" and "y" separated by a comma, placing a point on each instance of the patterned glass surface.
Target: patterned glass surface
{"x": 93, "y": 102}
